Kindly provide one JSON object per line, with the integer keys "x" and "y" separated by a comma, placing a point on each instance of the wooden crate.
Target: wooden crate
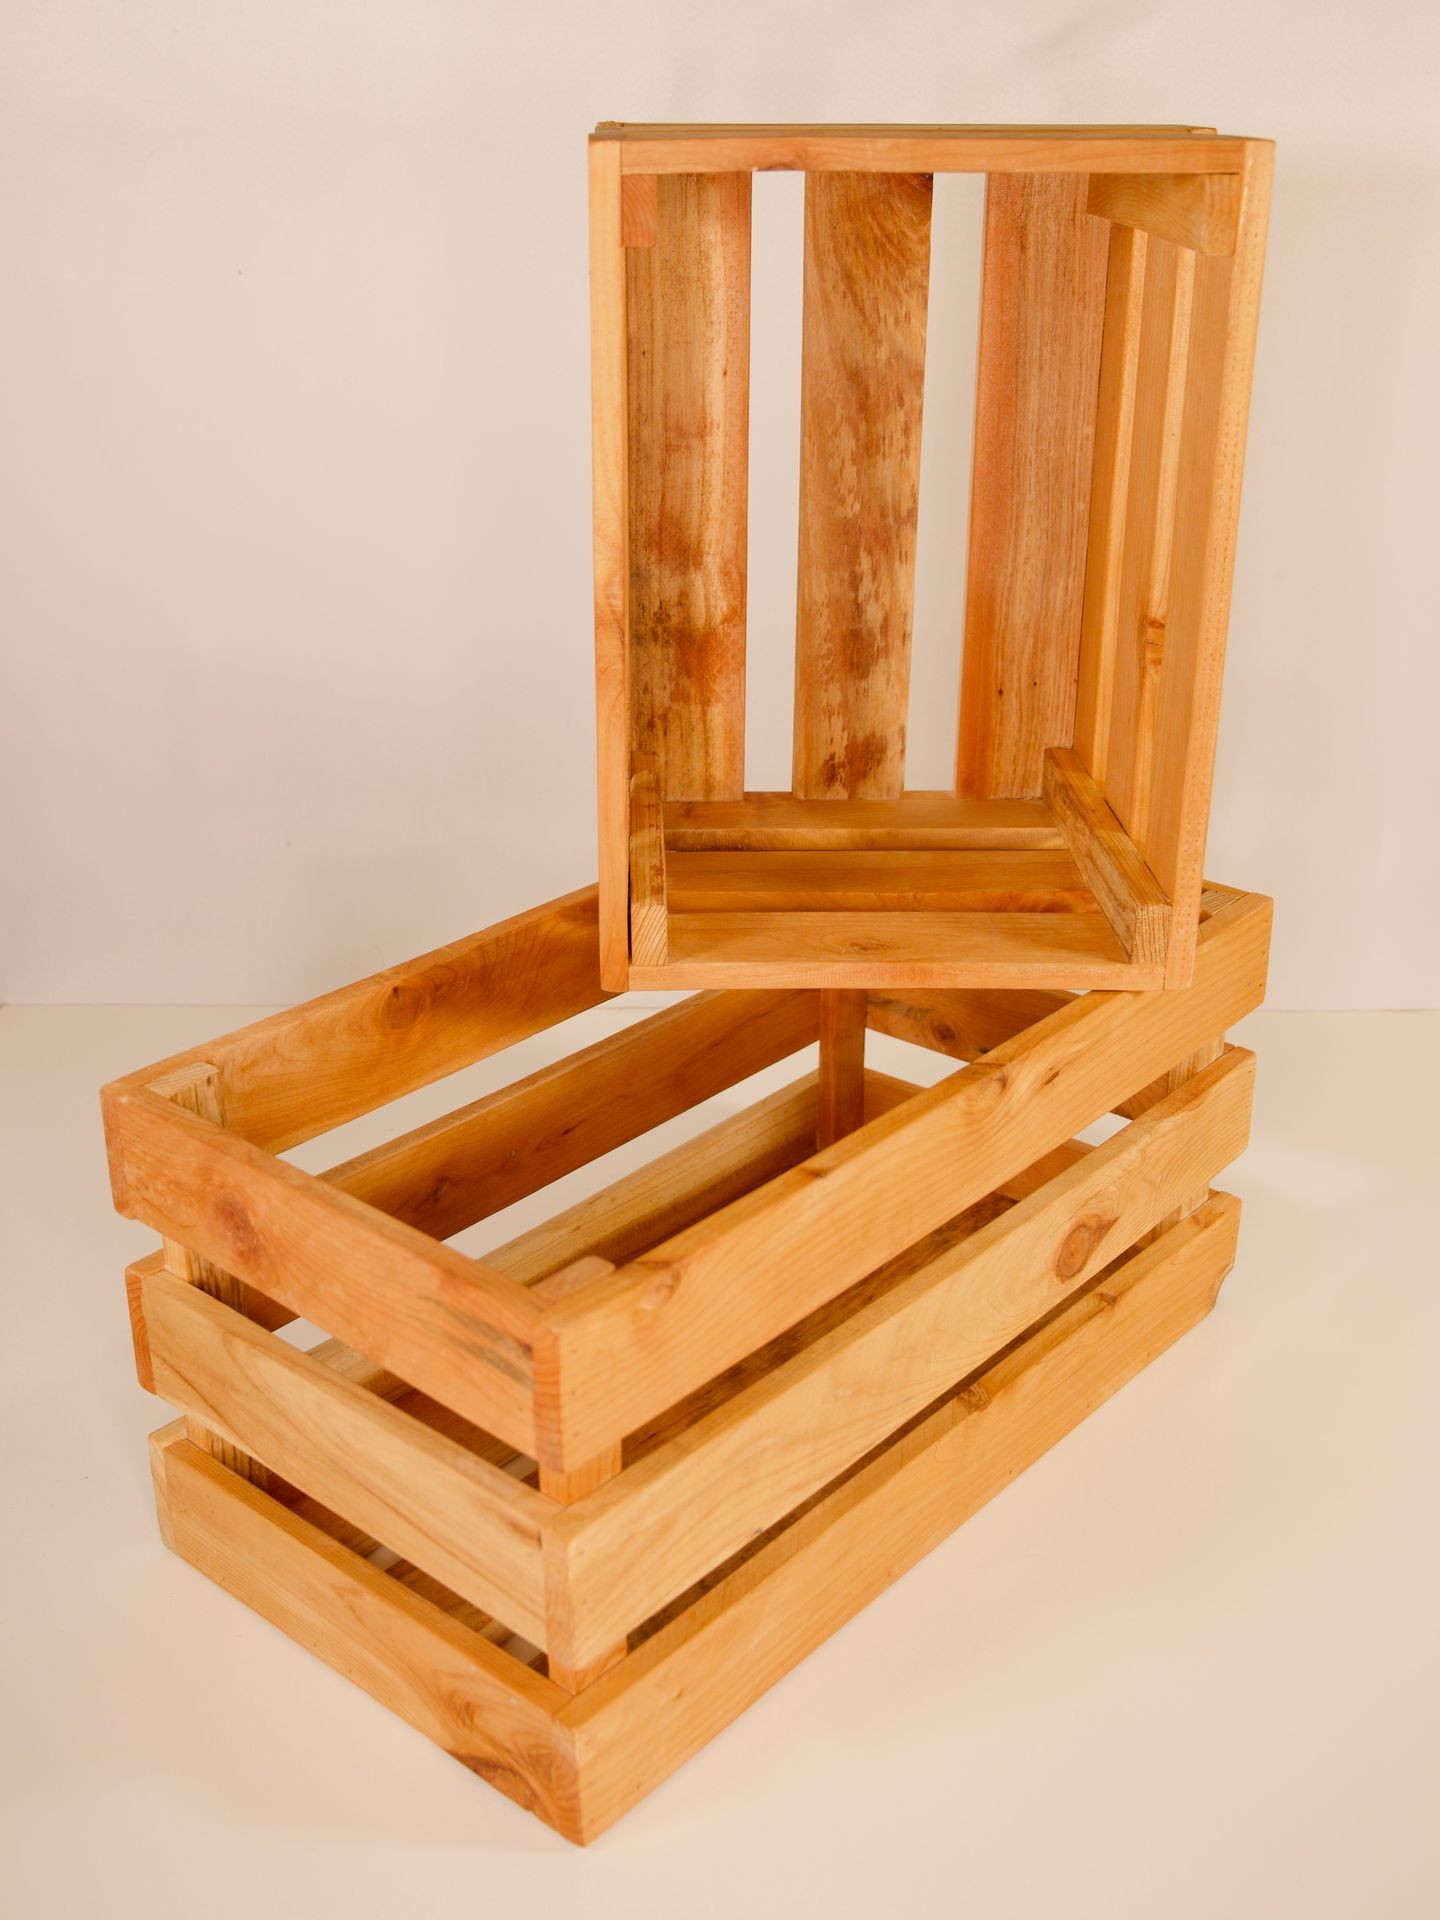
{"x": 569, "y": 1508}
{"x": 1121, "y": 279}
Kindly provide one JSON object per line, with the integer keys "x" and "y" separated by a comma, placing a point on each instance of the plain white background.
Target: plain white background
{"x": 295, "y": 517}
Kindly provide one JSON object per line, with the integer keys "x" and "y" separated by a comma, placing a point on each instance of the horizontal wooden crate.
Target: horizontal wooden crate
{"x": 570, "y": 1507}
{"x": 1120, "y": 288}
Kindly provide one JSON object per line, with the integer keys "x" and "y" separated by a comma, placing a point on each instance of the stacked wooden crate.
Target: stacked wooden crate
{"x": 571, "y": 1505}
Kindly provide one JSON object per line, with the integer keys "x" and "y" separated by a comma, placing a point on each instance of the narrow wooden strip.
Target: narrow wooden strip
{"x": 487, "y": 1709}
{"x": 1197, "y": 210}
{"x": 445, "y": 1323}
{"x": 456, "y": 1170}
{"x": 462, "y": 1519}
{"x": 937, "y": 821}
{"x": 867, "y": 277}
{"x": 688, "y": 299}
{"x": 681, "y": 1314}
{"x": 900, "y": 881}
{"x": 1042, "y": 310}
{"x": 696, "y": 1674}
{"x": 298, "y": 1073}
{"x": 1019, "y": 150}
{"x": 820, "y": 949}
{"x": 1129, "y": 895}
{"x": 648, "y": 906}
{"x": 639, "y": 198}
{"x": 610, "y": 484}
{"x": 687, "y": 1506}
{"x": 842, "y": 1064}
{"x": 1109, "y": 493}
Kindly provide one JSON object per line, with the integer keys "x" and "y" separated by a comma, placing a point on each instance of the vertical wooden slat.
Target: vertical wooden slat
{"x": 1109, "y": 493}
{"x": 867, "y": 276}
{"x": 689, "y": 398}
{"x": 843, "y": 1013}
{"x": 1041, "y": 317}
{"x": 612, "y": 563}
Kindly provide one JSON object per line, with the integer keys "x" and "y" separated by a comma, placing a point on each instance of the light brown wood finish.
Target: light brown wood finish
{"x": 660, "y": 1325}
{"x": 842, "y": 1064}
{"x": 1128, "y": 893}
{"x": 299, "y": 1073}
{"x": 988, "y": 881}
{"x": 456, "y": 1170}
{"x": 609, "y": 426}
{"x": 867, "y": 270}
{"x": 460, "y": 1518}
{"x": 1196, "y": 210}
{"x": 688, "y": 300}
{"x": 938, "y": 822}
{"x": 639, "y": 209}
{"x": 648, "y": 905}
{"x": 685, "y": 1507}
{"x": 1042, "y": 310}
{"x": 901, "y": 149}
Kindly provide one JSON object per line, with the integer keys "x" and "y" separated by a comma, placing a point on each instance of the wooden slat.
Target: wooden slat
{"x": 686, "y": 1506}
{"x": 867, "y": 269}
{"x": 689, "y": 395}
{"x": 895, "y": 149}
{"x": 984, "y": 882}
{"x": 1042, "y": 310}
{"x": 842, "y": 1064}
{"x": 454, "y": 1171}
{"x": 609, "y": 409}
{"x": 694, "y": 1676}
{"x": 648, "y": 905}
{"x": 446, "y": 1324}
{"x": 487, "y": 1709}
{"x": 299, "y": 1073}
{"x": 1109, "y": 493}
{"x": 639, "y": 209}
{"x": 934, "y": 821}
{"x": 1196, "y": 210}
{"x": 1212, "y": 457}
{"x": 818, "y": 949}
{"x": 465, "y": 1521}
{"x": 679, "y": 1315}
{"x": 1129, "y": 895}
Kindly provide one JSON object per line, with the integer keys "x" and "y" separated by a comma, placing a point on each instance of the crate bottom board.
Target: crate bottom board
{"x": 580, "y": 1761}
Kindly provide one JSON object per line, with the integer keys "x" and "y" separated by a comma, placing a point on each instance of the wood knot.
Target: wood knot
{"x": 235, "y": 1223}
{"x": 1078, "y": 1246}
{"x": 403, "y": 1006}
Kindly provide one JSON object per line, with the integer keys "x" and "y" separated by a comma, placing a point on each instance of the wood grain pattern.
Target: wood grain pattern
{"x": 689, "y": 436}
{"x": 1042, "y": 309}
{"x": 1128, "y": 893}
{"x": 842, "y": 1064}
{"x": 901, "y": 149}
{"x": 1196, "y": 210}
{"x": 867, "y": 269}
{"x": 918, "y": 820}
{"x": 649, "y": 908}
{"x": 870, "y": 881}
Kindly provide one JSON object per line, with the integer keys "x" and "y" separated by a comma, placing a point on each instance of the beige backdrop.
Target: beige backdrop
{"x": 294, "y": 528}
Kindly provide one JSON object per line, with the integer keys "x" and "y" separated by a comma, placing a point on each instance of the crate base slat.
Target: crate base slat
{"x": 580, "y": 1761}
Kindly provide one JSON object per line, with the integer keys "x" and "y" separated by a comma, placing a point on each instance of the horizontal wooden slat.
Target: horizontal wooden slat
{"x": 895, "y": 949}
{"x": 1195, "y": 210}
{"x": 486, "y": 1708}
{"x": 636, "y": 1543}
{"x": 898, "y": 881}
{"x": 446, "y": 1324}
{"x": 320, "y": 1064}
{"x": 1130, "y": 896}
{"x": 666, "y": 1322}
{"x": 456, "y": 1170}
{"x": 463, "y": 1520}
{"x": 696, "y": 1674}
{"x": 935, "y": 821}
{"x": 920, "y": 150}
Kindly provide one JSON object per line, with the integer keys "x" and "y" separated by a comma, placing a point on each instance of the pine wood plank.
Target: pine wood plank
{"x": 689, "y": 398}
{"x": 649, "y": 912}
{"x": 1129, "y": 895}
{"x": 688, "y": 1505}
{"x": 1042, "y": 309}
{"x": 994, "y": 881}
{"x": 639, "y": 209}
{"x": 920, "y": 821}
{"x": 691, "y": 1307}
{"x": 464, "y": 1521}
{"x": 842, "y": 1064}
{"x": 1196, "y": 210}
{"x": 901, "y": 149}
{"x": 867, "y": 276}
{"x": 689, "y": 1680}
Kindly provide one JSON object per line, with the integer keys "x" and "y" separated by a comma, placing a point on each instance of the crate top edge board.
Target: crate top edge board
{"x": 1120, "y": 275}
{"x": 703, "y": 147}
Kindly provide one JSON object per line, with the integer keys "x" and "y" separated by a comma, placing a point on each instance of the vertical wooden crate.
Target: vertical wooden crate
{"x": 1120, "y": 278}
{"x": 515, "y": 1497}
